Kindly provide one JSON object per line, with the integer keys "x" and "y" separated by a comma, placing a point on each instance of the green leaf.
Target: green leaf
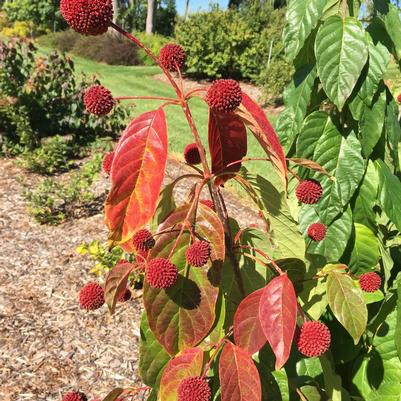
{"x": 285, "y": 235}
{"x": 365, "y": 200}
{"x": 152, "y": 356}
{"x": 372, "y": 297}
{"x": 338, "y": 233}
{"x": 393, "y": 133}
{"x": 347, "y": 303}
{"x": 366, "y": 254}
{"x": 342, "y": 158}
{"x": 332, "y": 381}
{"x": 341, "y": 53}
{"x": 312, "y": 129}
{"x": 372, "y": 123}
{"x": 313, "y": 298}
{"x": 389, "y": 193}
{"x": 297, "y": 99}
{"x": 302, "y": 18}
{"x": 397, "y": 335}
{"x": 183, "y": 315}
{"x": 386, "y": 392}
{"x": 165, "y": 205}
{"x": 360, "y": 377}
{"x": 392, "y": 23}
{"x": 379, "y": 58}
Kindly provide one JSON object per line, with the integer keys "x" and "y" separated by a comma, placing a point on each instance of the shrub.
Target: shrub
{"x": 153, "y": 42}
{"x": 55, "y": 200}
{"x": 19, "y": 29}
{"x": 63, "y": 41}
{"x": 54, "y": 155}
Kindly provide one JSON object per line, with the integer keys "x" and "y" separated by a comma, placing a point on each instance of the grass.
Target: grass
{"x": 393, "y": 78}
{"x": 139, "y": 81}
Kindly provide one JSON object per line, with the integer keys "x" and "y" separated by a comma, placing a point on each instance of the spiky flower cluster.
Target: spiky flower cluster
{"x": 107, "y": 162}
{"x": 172, "y": 57}
{"x": 314, "y": 339}
{"x": 309, "y": 191}
{"x": 317, "y": 231}
{"x": 194, "y": 389}
{"x": 88, "y": 17}
{"x": 91, "y": 296}
{"x": 399, "y": 98}
{"x": 198, "y": 253}
{"x": 98, "y": 100}
{"x": 370, "y": 282}
{"x": 143, "y": 240}
{"x": 74, "y": 396}
{"x": 224, "y": 95}
{"x": 207, "y": 202}
{"x": 161, "y": 273}
{"x": 191, "y": 154}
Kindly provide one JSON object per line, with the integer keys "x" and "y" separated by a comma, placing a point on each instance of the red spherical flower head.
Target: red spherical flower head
{"x": 172, "y": 57}
{"x": 125, "y": 296}
{"x": 89, "y": 17}
{"x": 143, "y": 240}
{"x": 191, "y": 154}
{"x": 161, "y": 273}
{"x": 207, "y": 202}
{"x": 107, "y": 162}
{"x": 91, "y": 296}
{"x": 194, "y": 389}
{"x": 309, "y": 191}
{"x": 399, "y": 98}
{"x": 314, "y": 339}
{"x": 317, "y": 231}
{"x": 224, "y": 95}
{"x": 370, "y": 282}
{"x": 198, "y": 253}
{"x": 98, "y": 100}
{"x": 74, "y": 396}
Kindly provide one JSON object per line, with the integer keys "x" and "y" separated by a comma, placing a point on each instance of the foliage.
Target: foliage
{"x": 20, "y": 29}
{"x": 53, "y": 201}
{"x": 235, "y": 321}
{"x": 53, "y": 156}
{"x": 39, "y": 104}
{"x": 153, "y": 42}
{"x": 44, "y": 14}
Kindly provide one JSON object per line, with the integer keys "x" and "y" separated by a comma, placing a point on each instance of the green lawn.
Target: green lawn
{"x": 138, "y": 81}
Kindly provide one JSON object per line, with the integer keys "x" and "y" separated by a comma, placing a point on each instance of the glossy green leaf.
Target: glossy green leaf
{"x": 183, "y": 315}
{"x": 297, "y": 99}
{"x": 271, "y": 201}
{"x": 372, "y": 297}
{"x": 332, "y": 381}
{"x": 397, "y": 335}
{"x": 365, "y": 254}
{"x": 312, "y": 129}
{"x": 389, "y": 193}
{"x": 338, "y": 233}
{"x": 393, "y": 133}
{"x": 165, "y": 205}
{"x": 372, "y": 123}
{"x": 313, "y": 298}
{"x": 341, "y": 53}
{"x": 302, "y": 18}
{"x": 379, "y": 58}
{"x": 360, "y": 377}
{"x": 342, "y": 158}
{"x": 366, "y": 198}
{"x": 152, "y": 356}
{"x": 347, "y": 303}
{"x": 392, "y": 23}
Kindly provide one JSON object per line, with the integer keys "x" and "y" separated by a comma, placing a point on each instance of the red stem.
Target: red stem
{"x": 170, "y": 99}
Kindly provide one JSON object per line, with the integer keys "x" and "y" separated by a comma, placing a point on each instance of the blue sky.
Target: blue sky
{"x": 194, "y": 5}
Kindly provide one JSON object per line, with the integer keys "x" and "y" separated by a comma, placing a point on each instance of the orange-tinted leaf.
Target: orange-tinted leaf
{"x": 116, "y": 283}
{"x": 239, "y": 377}
{"x": 136, "y": 174}
{"x": 310, "y": 164}
{"x": 187, "y": 364}
{"x": 248, "y": 333}
{"x": 183, "y": 315}
{"x": 227, "y": 143}
{"x": 255, "y": 118}
{"x": 277, "y": 314}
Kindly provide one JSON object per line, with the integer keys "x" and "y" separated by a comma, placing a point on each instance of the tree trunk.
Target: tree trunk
{"x": 115, "y": 11}
{"x": 186, "y": 10}
{"x": 150, "y": 17}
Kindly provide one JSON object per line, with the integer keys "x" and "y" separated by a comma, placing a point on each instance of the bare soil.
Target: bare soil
{"x": 47, "y": 344}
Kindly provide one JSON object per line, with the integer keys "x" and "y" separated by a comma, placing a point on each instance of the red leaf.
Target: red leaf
{"x": 136, "y": 175}
{"x": 248, "y": 333}
{"x": 255, "y": 118}
{"x": 239, "y": 377}
{"x": 277, "y": 314}
{"x": 187, "y": 364}
{"x": 116, "y": 283}
{"x": 227, "y": 143}
{"x": 310, "y": 164}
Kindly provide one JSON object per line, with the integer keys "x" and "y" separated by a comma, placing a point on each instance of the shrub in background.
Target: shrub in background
{"x": 153, "y": 42}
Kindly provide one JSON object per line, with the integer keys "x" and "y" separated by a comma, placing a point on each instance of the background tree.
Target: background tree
{"x": 150, "y": 16}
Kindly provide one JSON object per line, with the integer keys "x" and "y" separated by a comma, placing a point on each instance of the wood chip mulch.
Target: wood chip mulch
{"x": 48, "y": 345}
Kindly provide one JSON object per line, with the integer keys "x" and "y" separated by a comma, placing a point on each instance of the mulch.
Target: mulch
{"x": 47, "y": 344}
